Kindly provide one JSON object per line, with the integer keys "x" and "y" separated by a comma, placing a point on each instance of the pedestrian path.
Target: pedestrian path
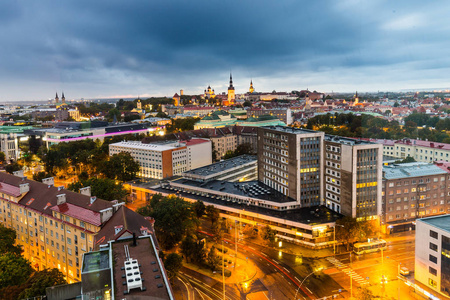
{"x": 347, "y": 270}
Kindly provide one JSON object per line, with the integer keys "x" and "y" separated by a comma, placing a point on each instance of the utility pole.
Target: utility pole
{"x": 223, "y": 271}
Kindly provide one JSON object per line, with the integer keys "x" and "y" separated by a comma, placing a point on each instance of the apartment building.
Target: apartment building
{"x": 432, "y": 258}
{"x": 412, "y": 191}
{"x": 352, "y": 177}
{"x": 290, "y": 161}
{"x": 56, "y": 226}
{"x": 162, "y": 160}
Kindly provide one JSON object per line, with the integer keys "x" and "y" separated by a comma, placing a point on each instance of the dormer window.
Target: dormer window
{"x": 118, "y": 229}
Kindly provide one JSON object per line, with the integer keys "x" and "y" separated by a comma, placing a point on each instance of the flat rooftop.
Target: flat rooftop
{"x": 346, "y": 141}
{"x": 293, "y": 130}
{"x": 415, "y": 169}
{"x": 223, "y": 166}
{"x": 152, "y": 275}
{"x": 441, "y": 222}
{"x": 253, "y": 189}
{"x": 153, "y": 146}
{"x": 95, "y": 261}
{"x": 314, "y": 215}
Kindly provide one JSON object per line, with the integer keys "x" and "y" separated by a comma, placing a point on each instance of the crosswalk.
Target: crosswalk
{"x": 345, "y": 268}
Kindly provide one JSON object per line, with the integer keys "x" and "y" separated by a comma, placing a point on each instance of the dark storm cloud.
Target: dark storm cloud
{"x": 106, "y": 48}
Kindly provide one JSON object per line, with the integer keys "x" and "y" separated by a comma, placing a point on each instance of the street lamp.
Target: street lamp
{"x": 334, "y": 237}
{"x": 319, "y": 269}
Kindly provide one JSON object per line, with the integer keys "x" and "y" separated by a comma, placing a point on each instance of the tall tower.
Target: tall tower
{"x": 63, "y": 99}
{"x": 231, "y": 95}
{"x": 251, "y": 89}
{"x": 56, "y": 98}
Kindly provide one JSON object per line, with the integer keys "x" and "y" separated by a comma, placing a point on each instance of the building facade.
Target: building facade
{"x": 10, "y": 146}
{"x": 432, "y": 258}
{"x": 162, "y": 160}
{"x": 290, "y": 161}
{"x": 352, "y": 177}
{"x": 412, "y": 191}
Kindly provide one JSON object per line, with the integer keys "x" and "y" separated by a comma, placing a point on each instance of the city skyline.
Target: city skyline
{"x": 111, "y": 49}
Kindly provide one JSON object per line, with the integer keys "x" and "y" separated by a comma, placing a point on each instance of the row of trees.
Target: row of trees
{"x": 18, "y": 280}
{"x": 365, "y": 126}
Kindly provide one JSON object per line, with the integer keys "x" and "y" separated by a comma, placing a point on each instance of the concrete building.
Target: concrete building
{"x": 432, "y": 259}
{"x": 163, "y": 160}
{"x": 10, "y": 146}
{"x": 290, "y": 161}
{"x": 352, "y": 177}
{"x": 56, "y": 227}
{"x": 412, "y": 191}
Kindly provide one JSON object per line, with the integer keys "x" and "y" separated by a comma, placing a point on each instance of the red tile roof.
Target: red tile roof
{"x": 80, "y": 213}
{"x": 9, "y": 189}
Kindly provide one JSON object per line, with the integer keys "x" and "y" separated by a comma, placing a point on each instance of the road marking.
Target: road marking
{"x": 297, "y": 279}
{"x": 252, "y": 248}
{"x": 286, "y": 269}
{"x": 308, "y": 290}
{"x": 276, "y": 262}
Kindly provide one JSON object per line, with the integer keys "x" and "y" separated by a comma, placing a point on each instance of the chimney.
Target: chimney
{"x": 92, "y": 199}
{"x": 18, "y": 173}
{"x": 60, "y": 199}
{"x": 60, "y": 188}
{"x": 134, "y": 240}
{"x": 432, "y": 145}
{"x": 117, "y": 205}
{"x": 106, "y": 214}
{"x": 50, "y": 181}
{"x": 86, "y": 191}
{"x": 24, "y": 188}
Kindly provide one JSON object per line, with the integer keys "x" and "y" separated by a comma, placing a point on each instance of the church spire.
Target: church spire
{"x": 251, "y": 89}
{"x": 231, "y": 83}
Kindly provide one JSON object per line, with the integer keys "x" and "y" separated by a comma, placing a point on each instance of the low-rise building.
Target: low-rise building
{"x": 162, "y": 160}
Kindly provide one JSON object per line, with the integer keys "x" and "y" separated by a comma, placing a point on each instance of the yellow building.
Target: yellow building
{"x": 56, "y": 226}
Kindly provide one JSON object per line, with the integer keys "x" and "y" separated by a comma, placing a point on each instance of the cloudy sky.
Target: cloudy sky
{"x": 91, "y": 49}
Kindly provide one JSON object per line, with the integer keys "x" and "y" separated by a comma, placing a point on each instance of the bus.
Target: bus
{"x": 369, "y": 246}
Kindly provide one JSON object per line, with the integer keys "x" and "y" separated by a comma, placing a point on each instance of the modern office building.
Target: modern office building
{"x": 56, "y": 227}
{"x": 9, "y": 144}
{"x": 412, "y": 191}
{"x": 162, "y": 160}
{"x": 432, "y": 259}
{"x": 290, "y": 161}
{"x": 352, "y": 177}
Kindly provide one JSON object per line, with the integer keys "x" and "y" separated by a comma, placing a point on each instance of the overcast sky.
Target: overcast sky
{"x": 91, "y": 49}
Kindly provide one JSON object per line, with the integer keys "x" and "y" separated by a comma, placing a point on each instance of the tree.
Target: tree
{"x": 364, "y": 294}
{"x": 120, "y": 166}
{"x": 408, "y": 159}
{"x": 173, "y": 220}
{"x": 12, "y": 167}
{"x": 39, "y": 281}
{"x": 41, "y": 175}
{"x": 212, "y": 213}
{"x": 2, "y": 157}
{"x": 7, "y": 241}
{"x": 188, "y": 246}
{"x": 199, "y": 209}
{"x": 268, "y": 234}
{"x": 217, "y": 231}
{"x": 103, "y": 188}
{"x": 173, "y": 263}
{"x": 14, "y": 270}
{"x": 213, "y": 259}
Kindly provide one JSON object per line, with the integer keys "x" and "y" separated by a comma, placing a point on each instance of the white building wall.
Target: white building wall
{"x": 423, "y": 252}
{"x": 199, "y": 155}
